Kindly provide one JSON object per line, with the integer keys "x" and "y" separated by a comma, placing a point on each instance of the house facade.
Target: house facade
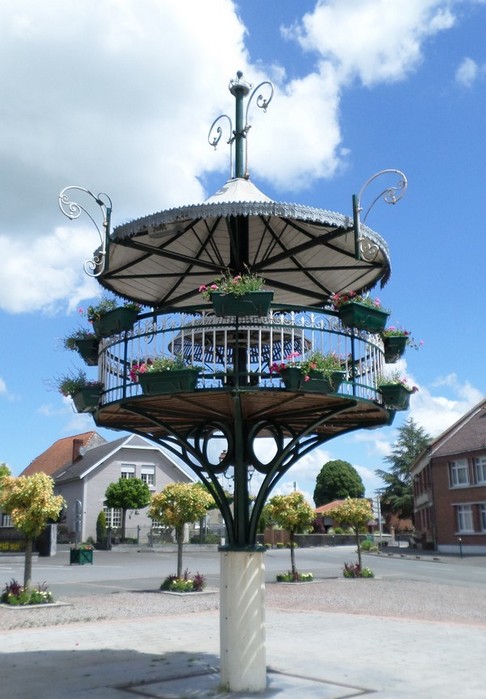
{"x": 449, "y": 482}
{"x": 83, "y": 466}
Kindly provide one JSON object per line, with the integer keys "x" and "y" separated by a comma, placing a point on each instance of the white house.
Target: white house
{"x": 84, "y": 465}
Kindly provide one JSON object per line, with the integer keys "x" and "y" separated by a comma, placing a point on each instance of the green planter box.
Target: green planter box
{"x": 171, "y": 381}
{"x": 115, "y": 322}
{"x": 80, "y": 556}
{"x": 394, "y": 347}
{"x": 363, "y": 317}
{"x": 255, "y": 303}
{"x": 294, "y": 380}
{"x": 87, "y": 400}
{"x": 395, "y": 396}
{"x": 88, "y": 349}
{"x": 324, "y": 384}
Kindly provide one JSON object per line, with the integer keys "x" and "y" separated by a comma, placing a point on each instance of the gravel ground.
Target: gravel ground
{"x": 399, "y": 599}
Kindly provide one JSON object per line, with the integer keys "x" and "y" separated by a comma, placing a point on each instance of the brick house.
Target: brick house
{"x": 449, "y": 483}
{"x": 83, "y": 466}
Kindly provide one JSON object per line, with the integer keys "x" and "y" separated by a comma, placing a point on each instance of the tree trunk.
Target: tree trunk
{"x": 124, "y": 522}
{"x": 358, "y": 545}
{"x": 28, "y": 563}
{"x": 180, "y": 541}
{"x": 292, "y": 555}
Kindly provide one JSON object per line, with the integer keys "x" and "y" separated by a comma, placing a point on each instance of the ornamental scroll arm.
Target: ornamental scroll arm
{"x": 216, "y": 132}
{"x": 390, "y": 195}
{"x": 72, "y": 209}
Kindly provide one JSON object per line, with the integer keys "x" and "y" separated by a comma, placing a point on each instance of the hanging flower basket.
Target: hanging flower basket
{"x": 363, "y": 317}
{"x": 116, "y": 321}
{"x": 253, "y": 303}
{"x": 319, "y": 383}
{"x": 293, "y": 378}
{"x": 396, "y": 396}
{"x": 86, "y": 400}
{"x": 168, "y": 381}
{"x": 394, "y": 347}
{"x": 88, "y": 349}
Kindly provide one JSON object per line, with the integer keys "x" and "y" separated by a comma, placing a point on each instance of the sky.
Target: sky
{"x": 118, "y": 96}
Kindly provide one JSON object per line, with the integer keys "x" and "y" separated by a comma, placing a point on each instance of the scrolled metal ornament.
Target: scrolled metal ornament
{"x": 93, "y": 267}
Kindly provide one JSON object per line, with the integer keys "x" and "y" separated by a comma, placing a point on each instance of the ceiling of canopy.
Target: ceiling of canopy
{"x": 304, "y": 254}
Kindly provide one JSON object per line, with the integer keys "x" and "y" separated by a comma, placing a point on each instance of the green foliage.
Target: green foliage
{"x": 355, "y": 513}
{"x": 70, "y": 341}
{"x": 368, "y": 545}
{"x": 292, "y": 513}
{"x": 354, "y": 570}
{"x": 238, "y": 285}
{"x": 337, "y": 480}
{"x": 186, "y": 583}
{"x": 128, "y": 494}
{"x": 397, "y": 495}
{"x": 30, "y": 502}
{"x": 101, "y": 527}
{"x": 297, "y": 577}
{"x": 178, "y": 504}
{"x": 17, "y": 595}
{"x": 74, "y": 382}
{"x": 106, "y": 305}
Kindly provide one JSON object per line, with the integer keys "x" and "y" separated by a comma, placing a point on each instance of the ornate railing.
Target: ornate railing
{"x": 239, "y": 353}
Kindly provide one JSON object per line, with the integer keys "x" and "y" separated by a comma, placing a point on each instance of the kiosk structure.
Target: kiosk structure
{"x": 243, "y": 380}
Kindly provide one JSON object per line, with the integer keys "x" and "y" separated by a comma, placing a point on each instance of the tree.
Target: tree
{"x": 31, "y": 503}
{"x": 354, "y": 513}
{"x": 4, "y": 471}
{"x": 127, "y": 494}
{"x": 292, "y": 513}
{"x": 179, "y": 504}
{"x": 337, "y": 480}
{"x": 397, "y": 495}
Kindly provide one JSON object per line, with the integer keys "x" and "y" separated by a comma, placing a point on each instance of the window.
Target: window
{"x": 483, "y": 517}
{"x": 464, "y": 518}
{"x": 459, "y": 474}
{"x": 147, "y": 474}
{"x": 113, "y": 517}
{"x": 127, "y": 471}
{"x": 6, "y": 521}
{"x": 480, "y": 464}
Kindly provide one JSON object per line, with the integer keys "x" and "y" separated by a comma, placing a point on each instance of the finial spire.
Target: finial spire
{"x": 240, "y": 89}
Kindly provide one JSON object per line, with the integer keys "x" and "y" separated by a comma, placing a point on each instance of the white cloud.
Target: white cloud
{"x": 3, "y": 387}
{"x": 370, "y": 39}
{"x": 467, "y": 73}
{"x": 118, "y": 96}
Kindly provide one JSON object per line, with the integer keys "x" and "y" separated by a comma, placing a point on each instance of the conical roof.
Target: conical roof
{"x": 304, "y": 253}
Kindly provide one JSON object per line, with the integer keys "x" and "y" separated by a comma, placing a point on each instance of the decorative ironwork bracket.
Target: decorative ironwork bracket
{"x": 96, "y": 265}
{"x": 390, "y": 195}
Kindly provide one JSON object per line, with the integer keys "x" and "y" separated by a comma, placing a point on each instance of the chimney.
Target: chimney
{"x": 77, "y": 449}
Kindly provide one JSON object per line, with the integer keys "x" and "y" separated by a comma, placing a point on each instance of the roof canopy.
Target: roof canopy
{"x": 304, "y": 254}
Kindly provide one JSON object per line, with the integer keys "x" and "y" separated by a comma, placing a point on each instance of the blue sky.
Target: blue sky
{"x": 118, "y": 96}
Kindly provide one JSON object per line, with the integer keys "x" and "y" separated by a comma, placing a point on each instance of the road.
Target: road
{"x": 116, "y": 571}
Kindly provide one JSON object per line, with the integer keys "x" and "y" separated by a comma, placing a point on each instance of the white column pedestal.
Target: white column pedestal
{"x": 242, "y": 621}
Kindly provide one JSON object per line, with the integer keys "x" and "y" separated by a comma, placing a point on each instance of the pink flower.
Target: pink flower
{"x": 202, "y": 288}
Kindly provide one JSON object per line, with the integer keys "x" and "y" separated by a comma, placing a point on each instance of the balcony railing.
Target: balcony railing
{"x": 239, "y": 352}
